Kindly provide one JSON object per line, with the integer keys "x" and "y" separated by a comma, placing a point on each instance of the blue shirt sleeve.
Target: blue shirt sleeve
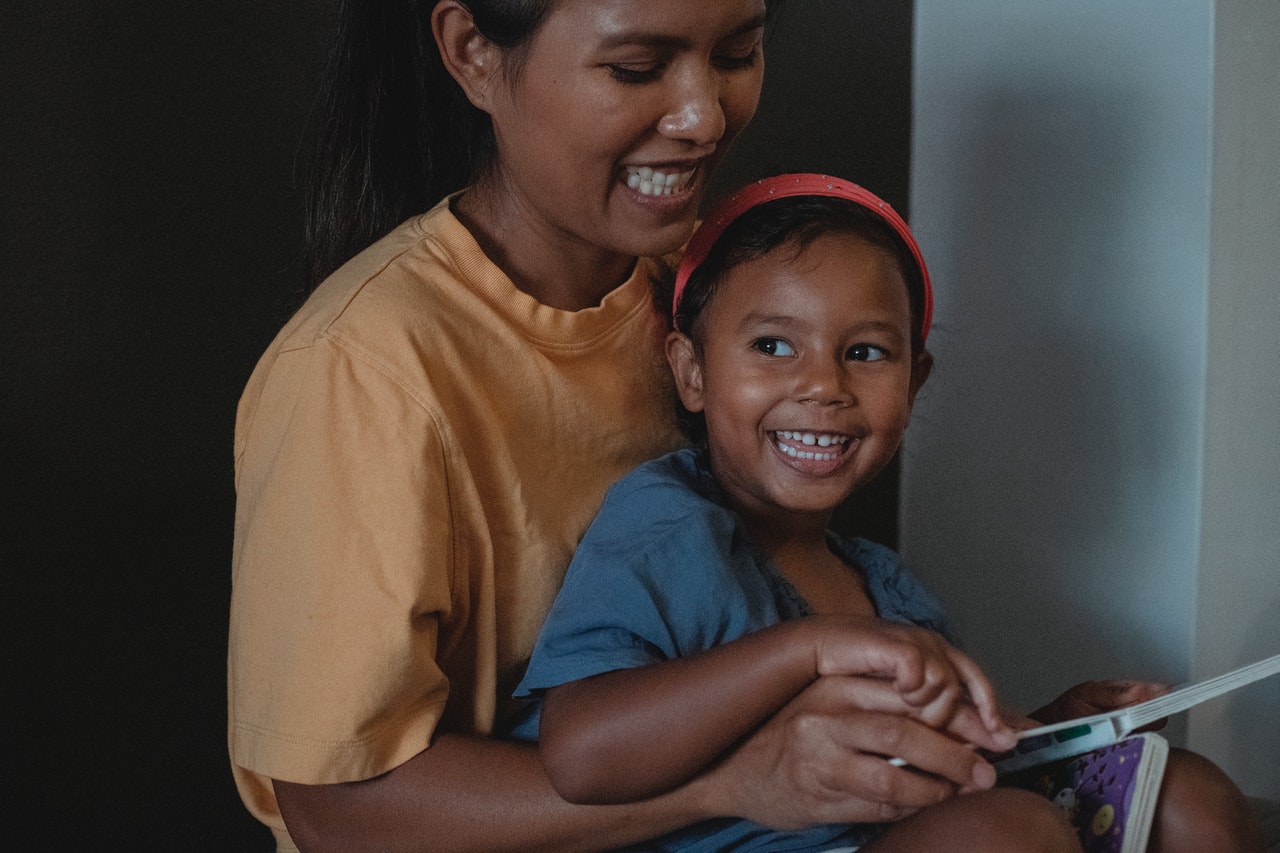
{"x": 663, "y": 572}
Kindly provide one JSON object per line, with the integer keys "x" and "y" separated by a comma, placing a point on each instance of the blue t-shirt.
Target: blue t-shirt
{"x": 665, "y": 571}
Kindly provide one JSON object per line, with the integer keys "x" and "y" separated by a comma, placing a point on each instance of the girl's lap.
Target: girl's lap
{"x": 1000, "y": 819}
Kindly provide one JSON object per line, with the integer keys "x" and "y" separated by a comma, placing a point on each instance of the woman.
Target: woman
{"x": 424, "y": 443}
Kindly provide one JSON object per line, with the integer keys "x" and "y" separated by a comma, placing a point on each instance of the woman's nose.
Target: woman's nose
{"x": 696, "y": 113}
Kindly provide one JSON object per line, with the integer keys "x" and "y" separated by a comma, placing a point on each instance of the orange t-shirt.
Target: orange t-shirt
{"x": 417, "y": 454}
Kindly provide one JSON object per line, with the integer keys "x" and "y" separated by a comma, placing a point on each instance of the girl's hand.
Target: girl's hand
{"x": 1098, "y": 697}
{"x": 824, "y": 759}
{"x": 941, "y": 687}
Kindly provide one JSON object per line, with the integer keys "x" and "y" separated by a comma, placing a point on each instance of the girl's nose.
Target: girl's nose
{"x": 826, "y": 382}
{"x": 697, "y": 113}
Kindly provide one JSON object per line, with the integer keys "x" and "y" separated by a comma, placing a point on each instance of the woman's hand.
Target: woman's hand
{"x": 1098, "y": 697}
{"x": 824, "y": 758}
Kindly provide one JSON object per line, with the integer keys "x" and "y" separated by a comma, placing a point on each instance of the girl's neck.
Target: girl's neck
{"x": 558, "y": 269}
{"x": 787, "y": 537}
{"x": 804, "y": 557}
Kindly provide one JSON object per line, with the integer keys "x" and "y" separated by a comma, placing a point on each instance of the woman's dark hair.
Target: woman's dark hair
{"x": 792, "y": 224}
{"x": 394, "y": 132}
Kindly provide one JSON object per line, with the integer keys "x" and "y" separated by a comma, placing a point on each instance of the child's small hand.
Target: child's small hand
{"x": 1098, "y": 697}
{"x": 939, "y": 685}
{"x": 879, "y": 695}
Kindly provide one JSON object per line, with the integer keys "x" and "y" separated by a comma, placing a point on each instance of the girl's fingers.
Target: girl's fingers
{"x": 874, "y": 694}
{"x": 979, "y": 688}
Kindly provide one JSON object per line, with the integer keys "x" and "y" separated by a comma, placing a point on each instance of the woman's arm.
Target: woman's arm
{"x": 469, "y": 793}
{"x": 634, "y": 733}
{"x": 819, "y": 760}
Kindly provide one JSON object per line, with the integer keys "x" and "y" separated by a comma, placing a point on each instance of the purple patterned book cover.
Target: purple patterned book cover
{"x": 1095, "y": 789}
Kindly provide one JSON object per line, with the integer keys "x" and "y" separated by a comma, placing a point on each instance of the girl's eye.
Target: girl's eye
{"x": 773, "y": 346}
{"x": 634, "y": 75}
{"x": 865, "y": 352}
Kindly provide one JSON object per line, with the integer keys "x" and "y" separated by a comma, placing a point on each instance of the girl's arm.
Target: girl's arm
{"x": 634, "y": 733}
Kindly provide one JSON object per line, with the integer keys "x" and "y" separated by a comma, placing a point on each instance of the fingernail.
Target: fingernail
{"x": 984, "y": 775}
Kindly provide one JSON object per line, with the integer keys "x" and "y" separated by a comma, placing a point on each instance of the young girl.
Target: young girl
{"x": 801, "y": 312}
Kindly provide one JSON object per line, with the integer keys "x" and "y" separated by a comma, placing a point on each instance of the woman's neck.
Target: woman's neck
{"x": 558, "y": 269}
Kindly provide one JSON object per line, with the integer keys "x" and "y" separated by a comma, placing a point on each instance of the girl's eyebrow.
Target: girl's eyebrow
{"x": 752, "y": 320}
{"x": 651, "y": 39}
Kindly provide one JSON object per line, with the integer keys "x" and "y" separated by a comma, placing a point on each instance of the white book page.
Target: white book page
{"x": 1125, "y": 720}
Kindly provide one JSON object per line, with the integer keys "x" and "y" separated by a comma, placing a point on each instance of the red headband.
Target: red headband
{"x": 786, "y": 186}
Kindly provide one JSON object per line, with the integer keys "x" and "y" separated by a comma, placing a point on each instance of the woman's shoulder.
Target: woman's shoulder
{"x": 407, "y": 276}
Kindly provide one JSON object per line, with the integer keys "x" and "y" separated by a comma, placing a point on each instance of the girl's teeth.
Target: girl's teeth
{"x": 809, "y": 439}
{"x": 649, "y": 181}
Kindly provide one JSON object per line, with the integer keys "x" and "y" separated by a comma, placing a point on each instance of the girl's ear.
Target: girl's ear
{"x": 470, "y": 58}
{"x": 920, "y": 374}
{"x": 686, "y": 367}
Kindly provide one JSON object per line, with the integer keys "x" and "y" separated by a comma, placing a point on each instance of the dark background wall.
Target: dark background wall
{"x": 149, "y": 244}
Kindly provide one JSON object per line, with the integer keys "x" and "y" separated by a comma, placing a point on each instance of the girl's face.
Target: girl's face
{"x": 617, "y": 115}
{"x": 804, "y": 374}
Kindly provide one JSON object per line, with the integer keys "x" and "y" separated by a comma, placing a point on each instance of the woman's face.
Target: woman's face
{"x": 617, "y": 114}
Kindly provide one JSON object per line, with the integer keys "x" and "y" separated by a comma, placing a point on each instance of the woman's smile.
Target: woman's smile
{"x": 659, "y": 181}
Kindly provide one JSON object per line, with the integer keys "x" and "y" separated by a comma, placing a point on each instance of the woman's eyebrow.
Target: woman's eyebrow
{"x": 647, "y": 38}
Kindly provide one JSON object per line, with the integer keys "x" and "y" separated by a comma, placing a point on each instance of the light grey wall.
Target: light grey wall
{"x": 1239, "y": 598}
{"x": 1060, "y": 466}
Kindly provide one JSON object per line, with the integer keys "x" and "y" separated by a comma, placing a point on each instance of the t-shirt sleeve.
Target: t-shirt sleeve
{"x": 341, "y": 566}
{"x": 660, "y": 574}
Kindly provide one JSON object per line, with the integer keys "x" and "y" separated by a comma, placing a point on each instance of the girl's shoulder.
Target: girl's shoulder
{"x": 675, "y": 490}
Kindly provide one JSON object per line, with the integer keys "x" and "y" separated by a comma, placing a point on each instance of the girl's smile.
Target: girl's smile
{"x": 816, "y": 449}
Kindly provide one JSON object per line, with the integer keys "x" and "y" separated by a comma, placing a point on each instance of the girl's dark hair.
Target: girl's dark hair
{"x": 792, "y": 223}
{"x": 796, "y": 222}
{"x": 394, "y": 132}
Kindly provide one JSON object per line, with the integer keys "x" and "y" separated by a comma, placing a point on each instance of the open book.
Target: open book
{"x": 1109, "y": 794}
{"x": 1036, "y": 746}
{"x": 1102, "y": 774}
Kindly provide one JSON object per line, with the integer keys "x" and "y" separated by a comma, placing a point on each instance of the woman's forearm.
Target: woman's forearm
{"x": 470, "y": 794}
{"x": 635, "y": 733}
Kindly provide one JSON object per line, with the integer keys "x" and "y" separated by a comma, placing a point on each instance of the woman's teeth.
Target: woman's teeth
{"x": 798, "y": 444}
{"x": 649, "y": 181}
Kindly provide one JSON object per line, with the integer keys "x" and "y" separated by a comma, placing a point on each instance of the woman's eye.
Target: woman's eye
{"x": 635, "y": 74}
{"x": 866, "y": 352}
{"x": 773, "y": 346}
{"x": 737, "y": 62}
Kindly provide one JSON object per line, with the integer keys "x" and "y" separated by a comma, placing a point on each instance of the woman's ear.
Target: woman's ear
{"x": 470, "y": 58}
{"x": 686, "y": 367}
